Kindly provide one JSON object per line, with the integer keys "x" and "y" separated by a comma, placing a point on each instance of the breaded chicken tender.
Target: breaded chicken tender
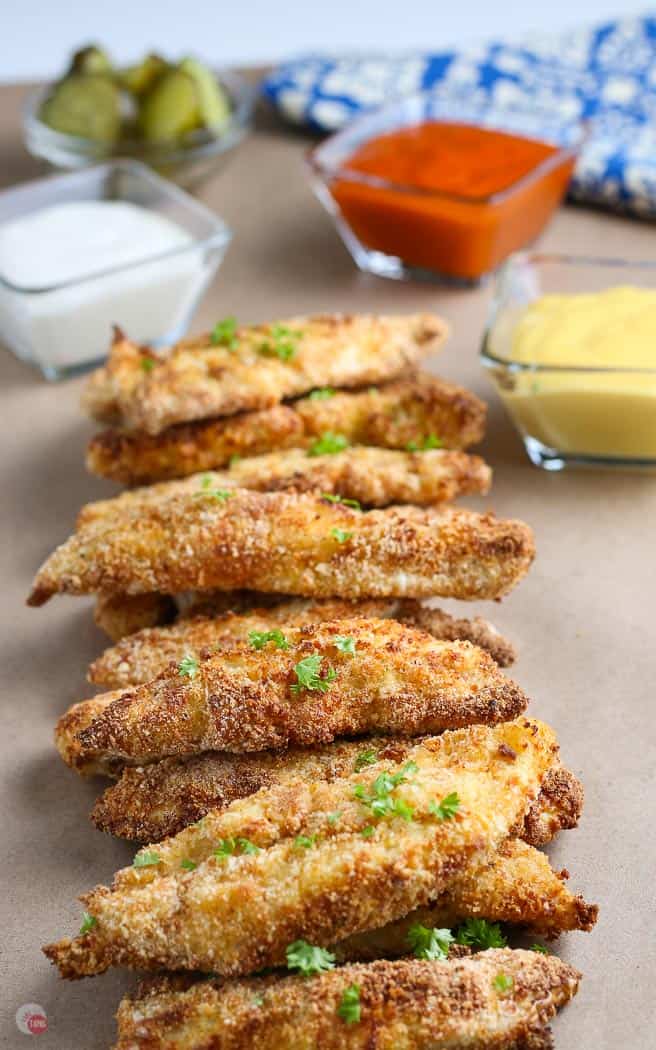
{"x": 254, "y": 367}
{"x": 310, "y": 685}
{"x": 409, "y": 1004}
{"x": 289, "y": 543}
{"x": 320, "y": 873}
{"x": 145, "y": 654}
{"x": 120, "y": 615}
{"x": 374, "y": 477}
{"x": 403, "y": 412}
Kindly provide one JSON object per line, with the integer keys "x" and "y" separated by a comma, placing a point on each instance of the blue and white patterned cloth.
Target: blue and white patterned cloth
{"x": 606, "y": 74}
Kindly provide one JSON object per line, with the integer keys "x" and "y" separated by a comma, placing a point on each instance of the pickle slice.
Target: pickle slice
{"x": 170, "y": 108}
{"x": 91, "y": 59}
{"x": 138, "y": 79}
{"x": 86, "y": 106}
{"x": 213, "y": 101}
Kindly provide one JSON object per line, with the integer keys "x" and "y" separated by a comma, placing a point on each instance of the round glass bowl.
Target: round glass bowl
{"x": 187, "y": 163}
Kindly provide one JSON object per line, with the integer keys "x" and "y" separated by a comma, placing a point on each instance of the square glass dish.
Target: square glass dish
{"x": 65, "y": 326}
{"x": 417, "y": 223}
{"x": 570, "y": 345}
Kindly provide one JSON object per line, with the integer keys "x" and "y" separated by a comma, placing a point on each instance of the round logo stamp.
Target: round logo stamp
{"x": 31, "y": 1019}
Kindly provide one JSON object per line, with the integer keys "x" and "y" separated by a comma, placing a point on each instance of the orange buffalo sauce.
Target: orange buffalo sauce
{"x": 457, "y": 198}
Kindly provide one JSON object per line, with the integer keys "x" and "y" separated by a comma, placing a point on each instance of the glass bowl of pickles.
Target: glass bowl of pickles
{"x": 181, "y": 118}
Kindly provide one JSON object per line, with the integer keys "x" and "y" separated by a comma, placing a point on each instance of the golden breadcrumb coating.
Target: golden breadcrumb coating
{"x": 236, "y": 914}
{"x": 561, "y": 801}
{"x": 391, "y": 679}
{"x": 291, "y": 543}
{"x": 409, "y": 1004}
{"x": 375, "y": 477}
{"x": 395, "y": 415}
{"x": 199, "y": 378}
{"x": 119, "y": 615}
{"x": 145, "y": 654}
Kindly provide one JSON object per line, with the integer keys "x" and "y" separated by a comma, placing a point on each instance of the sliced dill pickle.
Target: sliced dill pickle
{"x": 170, "y": 108}
{"x": 86, "y": 106}
{"x": 91, "y": 59}
{"x": 213, "y": 101}
{"x": 140, "y": 78}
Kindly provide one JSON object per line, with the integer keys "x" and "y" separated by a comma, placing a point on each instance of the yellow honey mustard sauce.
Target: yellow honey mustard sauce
{"x": 607, "y": 412}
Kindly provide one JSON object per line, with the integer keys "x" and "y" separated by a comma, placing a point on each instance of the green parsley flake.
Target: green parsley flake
{"x": 258, "y": 639}
{"x": 147, "y": 364}
{"x": 188, "y": 865}
{"x": 380, "y": 801}
{"x": 447, "y": 808}
{"x": 305, "y": 841}
{"x": 479, "y": 933}
{"x": 88, "y": 923}
{"x": 334, "y": 816}
{"x": 368, "y": 831}
{"x": 234, "y": 459}
{"x": 322, "y": 393}
{"x": 188, "y": 666}
{"x": 503, "y": 983}
{"x": 334, "y": 497}
{"x": 432, "y": 441}
{"x": 247, "y": 847}
{"x": 541, "y": 948}
{"x": 307, "y": 673}
{"x": 402, "y": 809}
{"x": 429, "y": 943}
{"x": 283, "y": 343}
{"x": 206, "y": 490}
{"x": 145, "y": 859}
{"x": 365, "y": 758}
{"x": 349, "y": 1007}
{"x": 225, "y": 848}
{"x": 345, "y": 644}
{"x": 328, "y": 444}
{"x": 258, "y": 1000}
{"x": 341, "y": 535}
{"x": 308, "y": 959}
{"x": 224, "y": 333}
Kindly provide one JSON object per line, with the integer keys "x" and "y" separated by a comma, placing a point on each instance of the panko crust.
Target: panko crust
{"x": 399, "y": 680}
{"x": 145, "y": 654}
{"x": 409, "y": 1004}
{"x": 119, "y": 615}
{"x": 390, "y": 416}
{"x": 289, "y": 543}
{"x": 374, "y": 477}
{"x": 234, "y": 915}
{"x": 197, "y": 379}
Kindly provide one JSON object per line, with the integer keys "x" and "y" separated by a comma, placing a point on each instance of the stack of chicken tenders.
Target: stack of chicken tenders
{"x": 339, "y": 797}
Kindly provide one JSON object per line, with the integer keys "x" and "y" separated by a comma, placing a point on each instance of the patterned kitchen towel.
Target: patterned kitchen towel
{"x": 606, "y": 74}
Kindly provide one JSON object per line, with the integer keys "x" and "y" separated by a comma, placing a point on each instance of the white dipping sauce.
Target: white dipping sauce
{"x": 62, "y": 325}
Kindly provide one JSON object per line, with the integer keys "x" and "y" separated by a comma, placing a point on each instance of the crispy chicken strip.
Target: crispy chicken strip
{"x": 119, "y": 615}
{"x": 143, "y": 655}
{"x": 374, "y": 477}
{"x": 235, "y": 914}
{"x": 255, "y": 368}
{"x": 409, "y": 1004}
{"x": 395, "y": 415}
{"x": 292, "y": 544}
{"x": 382, "y": 677}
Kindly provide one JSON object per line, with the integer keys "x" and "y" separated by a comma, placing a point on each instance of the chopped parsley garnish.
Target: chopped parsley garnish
{"x": 379, "y": 801}
{"x": 234, "y": 459}
{"x": 188, "y": 865}
{"x": 345, "y": 644}
{"x": 322, "y": 393}
{"x": 541, "y": 948}
{"x": 188, "y": 666}
{"x": 247, "y": 847}
{"x": 429, "y": 943}
{"x": 447, "y": 808}
{"x": 334, "y": 497}
{"x": 147, "y": 364}
{"x": 402, "y": 809}
{"x": 479, "y": 933}
{"x": 328, "y": 444}
{"x": 349, "y": 1007}
{"x": 341, "y": 535}
{"x": 258, "y": 1000}
{"x": 144, "y": 860}
{"x": 283, "y": 343}
{"x": 368, "y": 831}
{"x": 258, "y": 639}
{"x": 225, "y": 848}
{"x": 88, "y": 923}
{"x": 224, "y": 333}
{"x": 365, "y": 758}
{"x": 308, "y": 959}
{"x": 503, "y": 983}
{"x": 334, "y": 816}
{"x": 206, "y": 490}
{"x": 305, "y": 841}
{"x": 432, "y": 441}
{"x": 307, "y": 673}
